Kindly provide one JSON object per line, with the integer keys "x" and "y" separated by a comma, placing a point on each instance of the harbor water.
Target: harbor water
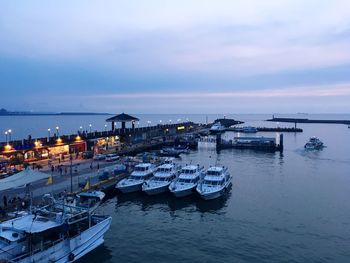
{"x": 283, "y": 207}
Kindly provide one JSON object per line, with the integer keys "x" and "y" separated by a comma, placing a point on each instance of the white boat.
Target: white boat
{"x": 215, "y": 183}
{"x": 161, "y": 180}
{"x": 217, "y": 128}
{"x": 51, "y": 235}
{"x": 134, "y": 182}
{"x": 187, "y": 181}
{"x": 314, "y": 144}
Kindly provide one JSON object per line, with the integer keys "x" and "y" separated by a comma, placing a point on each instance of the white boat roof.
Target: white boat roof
{"x": 190, "y": 167}
{"x": 31, "y": 223}
{"x": 144, "y": 165}
{"x": 166, "y": 166}
{"x": 216, "y": 169}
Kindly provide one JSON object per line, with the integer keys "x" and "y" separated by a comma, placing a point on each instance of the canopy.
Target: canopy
{"x": 122, "y": 118}
{"x": 22, "y": 178}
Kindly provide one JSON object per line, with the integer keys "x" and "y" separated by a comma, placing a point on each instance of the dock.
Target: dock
{"x": 253, "y": 143}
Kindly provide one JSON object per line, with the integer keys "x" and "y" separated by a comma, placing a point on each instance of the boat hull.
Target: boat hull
{"x": 156, "y": 190}
{"x": 130, "y": 188}
{"x": 214, "y": 194}
{"x": 183, "y": 192}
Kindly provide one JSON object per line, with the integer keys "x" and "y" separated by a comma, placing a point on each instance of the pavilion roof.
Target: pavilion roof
{"x": 122, "y": 118}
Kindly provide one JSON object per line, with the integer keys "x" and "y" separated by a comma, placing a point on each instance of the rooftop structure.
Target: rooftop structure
{"x": 123, "y": 118}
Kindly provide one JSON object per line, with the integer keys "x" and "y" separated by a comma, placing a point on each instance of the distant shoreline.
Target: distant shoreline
{"x": 52, "y": 114}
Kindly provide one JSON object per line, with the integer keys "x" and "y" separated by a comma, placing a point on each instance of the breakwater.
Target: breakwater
{"x": 302, "y": 120}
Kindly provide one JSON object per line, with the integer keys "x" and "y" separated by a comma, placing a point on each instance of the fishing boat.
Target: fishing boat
{"x": 215, "y": 183}
{"x": 51, "y": 234}
{"x": 314, "y": 143}
{"x": 161, "y": 180}
{"x": 187, "y": 181}
{"x": 134, "y": 182}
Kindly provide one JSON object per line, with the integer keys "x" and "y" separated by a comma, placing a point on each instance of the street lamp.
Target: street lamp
{"x": 57, "y": 128}
{"x": 9, "y": 131}
{"x": 170, "y": 121}
{"x": 90, "y": 127}
{"x": 6, "y": 136}
{"x": 81, "y": 129}
{"x": 105, "y": 127}
{"x": 48, "y": 133}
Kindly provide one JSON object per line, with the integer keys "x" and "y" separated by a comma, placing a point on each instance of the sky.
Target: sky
{"x": 183, "y": 56}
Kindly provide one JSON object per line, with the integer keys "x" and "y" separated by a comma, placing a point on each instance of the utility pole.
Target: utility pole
{"x": 71, "y": 173}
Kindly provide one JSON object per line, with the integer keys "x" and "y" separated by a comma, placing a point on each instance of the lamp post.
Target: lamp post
{"x": 9, "y": 131}
{"x": 57, "y": 131}
{"x": 81, "y": 129}
{"x": 48, "y": 133}
{"x": 90, "y": 127}
{"x": 6, "y": 136}
{"x": 105, "y": 127}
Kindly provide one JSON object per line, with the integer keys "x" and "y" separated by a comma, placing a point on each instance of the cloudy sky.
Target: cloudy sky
{"x": 183, "y": 56}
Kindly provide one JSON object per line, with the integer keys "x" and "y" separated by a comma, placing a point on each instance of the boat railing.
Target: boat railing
{"x": 44, "y": 247}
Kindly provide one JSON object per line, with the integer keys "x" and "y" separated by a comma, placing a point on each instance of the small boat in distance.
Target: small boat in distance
{"x": 314, "y": 143}
{"x": 215, "y": 183}
{"x": 217, "y": 128}
{"x": 187, "y": 181}
{"x": 134, "y": 182}
{"x": 161, "y": 180}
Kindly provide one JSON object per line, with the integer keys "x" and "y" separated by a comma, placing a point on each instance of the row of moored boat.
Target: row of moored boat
{"x": 180, "y": 181}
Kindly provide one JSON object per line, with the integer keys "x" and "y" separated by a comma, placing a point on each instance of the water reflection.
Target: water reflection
{"x": 172, "y": 203}
{"x": 100, "y": 254}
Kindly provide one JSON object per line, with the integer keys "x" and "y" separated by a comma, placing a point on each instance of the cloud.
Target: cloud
{"x": 342, "y": 89}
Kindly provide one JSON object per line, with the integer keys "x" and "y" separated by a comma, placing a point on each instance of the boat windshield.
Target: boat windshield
{"x": 188, "y": 171}
{"x": 140, "y": 169}
{"x": 213, "y": 173}
{"x": 133, "y": 177}
{"x": 210, "y": 182}
{"x": 182, "y": 180}
{"x": 164, "y": 170}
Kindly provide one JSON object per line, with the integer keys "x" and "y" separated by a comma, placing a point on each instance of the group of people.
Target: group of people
{"x": 14, "y": 203}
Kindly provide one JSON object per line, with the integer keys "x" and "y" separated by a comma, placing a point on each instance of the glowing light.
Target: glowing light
{"x": 8, "y": 147}
{"x": 78, "y": 138}
{"x": 37, "y": 144}
{"x": 59, "y": 141}
{"x": 180, "y": 128}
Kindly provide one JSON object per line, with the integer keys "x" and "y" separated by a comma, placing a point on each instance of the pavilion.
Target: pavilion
{"x": 123, "y": 118}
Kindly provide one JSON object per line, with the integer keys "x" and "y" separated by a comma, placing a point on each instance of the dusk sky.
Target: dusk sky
{"x": 183, "y": 56}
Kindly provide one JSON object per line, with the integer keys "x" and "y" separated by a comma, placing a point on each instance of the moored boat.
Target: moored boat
{"x": 161, "y": 180}
{"x": 133, "y": 183}
{"x": 215, "y": 183}
{"x": 187, "y": 180}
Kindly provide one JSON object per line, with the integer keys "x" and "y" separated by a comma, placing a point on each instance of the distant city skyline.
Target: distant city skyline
{"x": 194, "y": 56}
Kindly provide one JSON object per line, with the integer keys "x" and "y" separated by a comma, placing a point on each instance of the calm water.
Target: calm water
{"x": 290, "y": 207}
